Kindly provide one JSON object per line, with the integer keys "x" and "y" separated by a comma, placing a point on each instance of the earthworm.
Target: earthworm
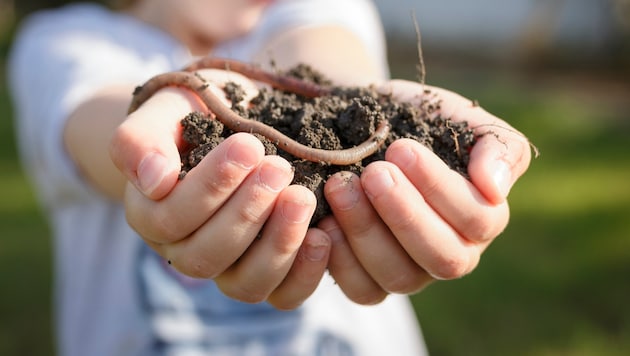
{"x": 237, "y": 123}
{"x": 277, "y": 81}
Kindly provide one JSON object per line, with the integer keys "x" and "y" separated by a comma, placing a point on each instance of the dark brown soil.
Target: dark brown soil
{"x": 341, "y": 120}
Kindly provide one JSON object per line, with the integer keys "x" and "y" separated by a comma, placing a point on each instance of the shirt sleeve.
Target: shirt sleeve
{"x": 358, "y": 16}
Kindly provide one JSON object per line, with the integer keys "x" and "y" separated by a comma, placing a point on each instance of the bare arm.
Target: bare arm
{"x": 334, "y": 50}
{"x": 236, "y": 191}
{"x": 231, "y": 196}
{"x": 87, "y": 134}
{"x": 90, "y": 128}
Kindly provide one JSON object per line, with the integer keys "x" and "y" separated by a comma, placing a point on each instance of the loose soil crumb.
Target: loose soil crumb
{"x": 341, "y": 120}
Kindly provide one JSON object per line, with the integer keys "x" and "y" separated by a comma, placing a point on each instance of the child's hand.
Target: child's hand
{"x": 410, "y": 219}
{"x": 233, "y": 218}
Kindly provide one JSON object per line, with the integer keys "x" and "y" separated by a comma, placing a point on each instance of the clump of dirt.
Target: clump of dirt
{"x": 343, "y": 119}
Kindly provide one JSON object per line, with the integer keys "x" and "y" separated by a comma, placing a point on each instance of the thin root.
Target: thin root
{"x": 533, "y": 147}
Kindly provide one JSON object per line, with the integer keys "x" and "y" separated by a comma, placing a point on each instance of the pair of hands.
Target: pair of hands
{"x": 237, "y": 219}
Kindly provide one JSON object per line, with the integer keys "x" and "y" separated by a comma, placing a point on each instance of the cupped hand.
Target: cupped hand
{"x": 235, "y": 217}
{"x": 410, "y": 219}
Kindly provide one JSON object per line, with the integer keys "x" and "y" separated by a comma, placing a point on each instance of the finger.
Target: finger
{"x": 268, "y": 260}
{"x": 306, "y": 272}
{"x": 501, "y": 154}
{"x": 380, "y": 254}
{"x": 428, "y": 239}
{"x": 346, "y": 269}
{"x": 145, "y": 146}
{"x": 199, "y": 195}
{"x": 454, "y": 198}
{"x": 219, "y": 242}
{"x": 496, "y": 162}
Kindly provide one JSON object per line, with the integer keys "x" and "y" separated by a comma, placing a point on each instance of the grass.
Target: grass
{"x": 25, "y": 254}
{"x": 555, "y": 282}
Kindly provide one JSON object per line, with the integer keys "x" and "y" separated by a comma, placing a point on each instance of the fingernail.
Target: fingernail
{"x": 502, "y": 177}
{"x": 296, "y": 211}
{"x": 317, "y": 250}
{"x": 273, "y": 177}
{"x": 403, "y": 157}
{"x": 345, "y": 195}
{"x": 378, "y": 183}
{"x": 151, "y": 171}
{"x": 243, "y": 158}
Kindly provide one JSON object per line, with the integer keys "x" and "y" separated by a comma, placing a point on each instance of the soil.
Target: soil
{"x": 343, "y": 119}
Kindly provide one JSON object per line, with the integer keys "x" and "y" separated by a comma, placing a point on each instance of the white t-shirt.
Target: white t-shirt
{"x": 114, "y": 295}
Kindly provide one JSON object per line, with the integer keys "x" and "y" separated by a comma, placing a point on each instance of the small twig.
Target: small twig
{"x": 422, "y": 73}
{"x": 531, "y": 145}
{"x": 455, "y": 137}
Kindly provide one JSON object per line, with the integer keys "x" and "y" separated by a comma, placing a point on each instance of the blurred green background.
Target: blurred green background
{"x": 556, "y": 282}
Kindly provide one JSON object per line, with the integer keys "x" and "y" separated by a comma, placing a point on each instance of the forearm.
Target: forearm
{"x": 87, "y": 134}
{"x": 335, "y": 51}
{"x": 90, "y": 128}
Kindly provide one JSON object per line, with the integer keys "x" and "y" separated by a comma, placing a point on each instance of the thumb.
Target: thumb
{"x": 496, "y": 162}
{"x": 500, "y": 155}
{"x": 145, "y": 146}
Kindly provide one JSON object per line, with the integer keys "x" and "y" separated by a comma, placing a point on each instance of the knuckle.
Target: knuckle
{"x": 483, "y": 225}
{"x": 285, "y": 244}
{"x": 403, "y": 220}
{"x": 372, "y": 296}
{"x": 243, "y": 292}
{"x": 251, "y": 214}
{"x": 284, "y": 303}
{"x": 165, "y": 225}
{"x": 478, "y": 227}
{"x": 405, "y": 283}
{"x": 196, "y": 267}
{"x": 222, "y": 182}
{"x": 432, "y": 188}
{"x": 454, "y": 267}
